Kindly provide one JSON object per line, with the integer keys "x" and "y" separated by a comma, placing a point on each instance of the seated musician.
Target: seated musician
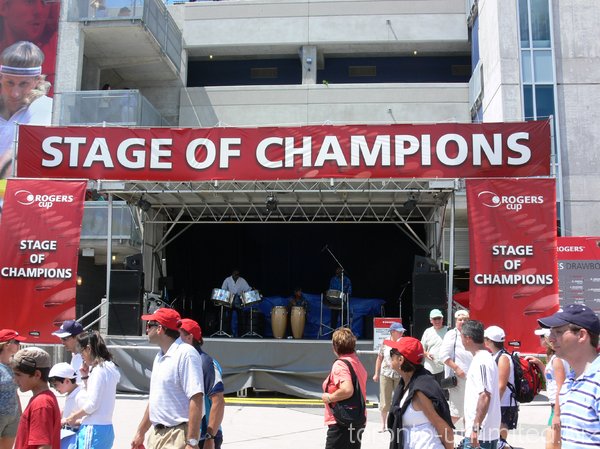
{"x": 297, "y": 300}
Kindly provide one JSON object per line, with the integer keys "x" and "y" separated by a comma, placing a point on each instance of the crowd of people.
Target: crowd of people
{"x": 186, "y": 401}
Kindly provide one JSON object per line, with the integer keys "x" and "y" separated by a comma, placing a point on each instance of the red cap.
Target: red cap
{"x": 409, "y": 347}
{"x": 191, "y": 327}
{"x": 166, "y": 317}
{"x": 10, "y": 334}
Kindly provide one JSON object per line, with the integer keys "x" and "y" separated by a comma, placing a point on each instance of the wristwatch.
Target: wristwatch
{"x": 476, "y": 429}
{"x": 208, "y": 436}
{"x": 192, "y": 442}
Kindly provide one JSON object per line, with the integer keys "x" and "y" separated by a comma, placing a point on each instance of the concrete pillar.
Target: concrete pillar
{"x": 308, "y": 59}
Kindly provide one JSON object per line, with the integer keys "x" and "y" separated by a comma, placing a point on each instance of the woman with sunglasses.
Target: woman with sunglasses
{"x": 10, "y": 407}
{"x": 96, "y": 431}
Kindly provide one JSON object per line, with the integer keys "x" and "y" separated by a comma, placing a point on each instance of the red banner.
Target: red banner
{"x": 39, "y": 245}
{"x": 512, "y": 225}
{"x": 387, "y": 151}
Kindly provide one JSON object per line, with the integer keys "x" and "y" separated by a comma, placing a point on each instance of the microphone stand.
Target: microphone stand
{"x": 406, "y": 284}
{"x": 344, "y": 295}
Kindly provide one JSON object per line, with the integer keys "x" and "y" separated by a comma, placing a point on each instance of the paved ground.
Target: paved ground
{"x": 267, "y": 427}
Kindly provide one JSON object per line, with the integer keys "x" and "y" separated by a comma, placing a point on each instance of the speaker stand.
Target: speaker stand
{"x": 221, "y": 332}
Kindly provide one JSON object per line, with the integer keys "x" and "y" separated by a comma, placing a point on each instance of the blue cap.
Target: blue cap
{"x": 397, "y": 327}
{"x": 69, "y": 328}
{"x": 576, "y": 314}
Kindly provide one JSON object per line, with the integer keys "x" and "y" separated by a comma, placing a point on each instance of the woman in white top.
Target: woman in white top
{"x": 555, "y": 372}
{"x": 494, "y": 340}
{"x": 96, "y": 431}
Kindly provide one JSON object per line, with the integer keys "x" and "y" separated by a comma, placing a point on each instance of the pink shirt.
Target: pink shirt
{"x": 339, "y": 373}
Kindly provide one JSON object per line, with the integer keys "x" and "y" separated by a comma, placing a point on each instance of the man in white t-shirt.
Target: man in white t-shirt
{"x": 482, "y": 397}
{"x": 68, "y": 332}
{"x": 432, "y": 342}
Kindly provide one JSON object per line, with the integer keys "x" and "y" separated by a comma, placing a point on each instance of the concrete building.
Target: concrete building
{"x": 311, "y": 62}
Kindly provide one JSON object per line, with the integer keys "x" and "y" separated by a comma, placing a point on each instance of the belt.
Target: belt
{"x": 163, "y": 427}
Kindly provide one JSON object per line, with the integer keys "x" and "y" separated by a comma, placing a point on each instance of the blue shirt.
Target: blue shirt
{"x": 580, "y": 409}
{"x": 336, "y": 284}
{"x": 213, "y": 384}
{"x": 8, "y": 392}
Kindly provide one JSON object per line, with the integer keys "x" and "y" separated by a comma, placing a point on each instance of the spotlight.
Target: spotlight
{"x": 143, "y": 204}
{"x": 271, "y": 203}
{"x": 410, "y": 204}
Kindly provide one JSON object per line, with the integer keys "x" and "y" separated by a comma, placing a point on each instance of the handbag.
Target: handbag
{"x": 351, "y": 411}
{"x": 451, "y": 381}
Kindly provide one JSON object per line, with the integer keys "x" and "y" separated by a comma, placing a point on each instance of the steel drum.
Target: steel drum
{"x": 153, "y": 302}
{"x": 222, "y": 297}
{"x": 298, "y": 320}
{"x": 279, "y": 321}
{"x": 251, "y": 297}
{"x": 334, "y": 299}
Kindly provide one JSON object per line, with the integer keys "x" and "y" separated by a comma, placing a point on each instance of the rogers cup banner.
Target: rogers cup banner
{"x": 39, "y": 244}
{"x": 514, "y": 279}
{"x": 388, "y": 151}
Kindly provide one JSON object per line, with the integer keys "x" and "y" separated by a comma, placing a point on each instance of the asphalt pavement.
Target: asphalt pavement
{"x": 294, "y": 425}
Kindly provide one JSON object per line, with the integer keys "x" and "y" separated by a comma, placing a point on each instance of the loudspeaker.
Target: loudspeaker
{"x": 126, "y": 287}
{"x": 429, "y": 292}
{"x": 425, "y": 265}
{"x": 124, "y": 319}
{"x": 134, "y": 262}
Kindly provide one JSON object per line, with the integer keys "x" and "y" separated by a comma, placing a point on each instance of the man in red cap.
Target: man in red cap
{"x": 211, "y": 436}
{"x": 176, "y": 387}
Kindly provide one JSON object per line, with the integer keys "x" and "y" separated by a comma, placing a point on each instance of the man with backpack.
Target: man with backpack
{"x": 509, "y": 408}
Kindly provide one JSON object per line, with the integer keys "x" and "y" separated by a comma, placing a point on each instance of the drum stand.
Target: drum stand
{"x": 221, "y": 332}
{"x": 321, "y": 325}
{"x": 251, "y": 333}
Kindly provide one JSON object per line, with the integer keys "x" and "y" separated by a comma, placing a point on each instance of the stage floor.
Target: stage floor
{"x": 293, "y": 367}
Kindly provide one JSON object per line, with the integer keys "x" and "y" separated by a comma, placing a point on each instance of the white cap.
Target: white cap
{"x": 63, "y": 370}
{"x": 542, "y": 332}
{"x": 495, "y": 333}
{"x": 461, "y": 312}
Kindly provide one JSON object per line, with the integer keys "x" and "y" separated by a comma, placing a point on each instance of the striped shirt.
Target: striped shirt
{"x": 580, "y": 409}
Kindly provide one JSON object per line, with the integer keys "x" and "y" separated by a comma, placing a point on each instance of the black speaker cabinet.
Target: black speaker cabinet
{"x": 124, "y": 319}
{"x": 134, "y": 262}
{"x": 126, "y": 286}
{"x": 429, "y": 292}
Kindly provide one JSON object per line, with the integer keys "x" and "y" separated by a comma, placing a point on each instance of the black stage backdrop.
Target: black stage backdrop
{"x": 274, "y": 258}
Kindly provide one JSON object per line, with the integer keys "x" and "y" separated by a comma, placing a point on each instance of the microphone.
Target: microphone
{"x": 406, "y": 284}
{"x": 324, "y": 248}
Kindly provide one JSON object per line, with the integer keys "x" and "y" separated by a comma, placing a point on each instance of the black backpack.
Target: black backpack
{"x": 351, "y": 411}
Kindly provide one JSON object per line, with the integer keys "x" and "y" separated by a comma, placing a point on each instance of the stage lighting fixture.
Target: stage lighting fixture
{"x": 410, "y": 204}
{"x": 143, "y": 204}
{"x": 271, "y": 203}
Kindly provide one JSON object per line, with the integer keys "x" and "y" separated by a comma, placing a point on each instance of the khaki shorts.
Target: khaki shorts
{"x": 387, "y": 385}
{"x": 457, "y": 398}
{"x": 8, "y": 425}
{"x": 170, "y": 438}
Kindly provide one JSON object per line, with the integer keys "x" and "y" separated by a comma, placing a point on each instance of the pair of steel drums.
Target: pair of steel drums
{"x": 279, "y": 315}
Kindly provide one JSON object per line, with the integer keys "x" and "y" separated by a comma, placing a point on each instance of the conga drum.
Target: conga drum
{"x": 278, "y": 321}
{"x": 298, "y": 319}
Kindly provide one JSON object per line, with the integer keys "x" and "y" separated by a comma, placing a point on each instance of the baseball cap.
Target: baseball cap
{"x": 63, "y": 370}
{"x": 436, "y": 313}
{"x": 166, "y": 317}
{"x": 495, "y": 333}
{"x": 397, "y": 327}
{"x": 32, "y": 358}
{"x": 576, "y": 314}
{"x": 542, "y": 332}
{"x": 69, "y": 328}
{"x": 10, "y": 334}
{"x": 191, "y": 327}
{"x": 409, "y": 347}
{"x": 461, "y": 312}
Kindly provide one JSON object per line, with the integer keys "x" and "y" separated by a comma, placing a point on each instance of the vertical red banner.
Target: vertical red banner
{"x": 39, "y": 245}
{"x": 514, "y": 279}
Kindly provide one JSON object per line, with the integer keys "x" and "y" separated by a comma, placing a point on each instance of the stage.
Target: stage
{"x": 294, "y": 367}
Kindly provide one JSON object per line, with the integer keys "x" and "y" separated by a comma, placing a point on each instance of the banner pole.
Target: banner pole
{"x": 105, "y": 307}
{"x": 451, "y": 259}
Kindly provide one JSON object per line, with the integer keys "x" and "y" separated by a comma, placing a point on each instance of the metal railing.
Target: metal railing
{"x": 152, "y": 13}
{"x": 95, "y": 222}
{"x": 113, "y": 107}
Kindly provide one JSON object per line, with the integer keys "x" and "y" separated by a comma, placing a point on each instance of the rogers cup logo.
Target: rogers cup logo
{"x": 26, "y": 198}
{"x": 512, "y": 202}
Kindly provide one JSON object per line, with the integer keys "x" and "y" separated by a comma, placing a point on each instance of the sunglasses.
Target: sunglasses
{"x": 151, "y": 324}
{"x": 15, "y": 342}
